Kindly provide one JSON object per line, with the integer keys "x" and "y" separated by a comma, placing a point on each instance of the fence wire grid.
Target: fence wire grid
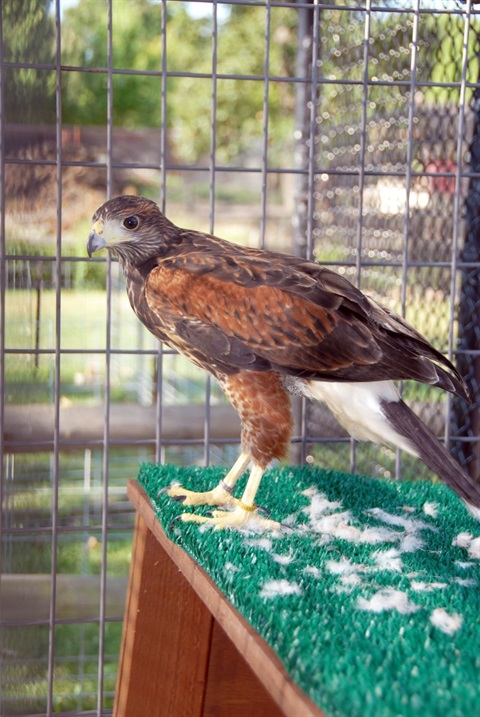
{"x": 347, "y": 133}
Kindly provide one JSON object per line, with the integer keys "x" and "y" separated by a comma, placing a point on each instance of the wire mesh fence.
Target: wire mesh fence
{"x": 343, "y": 132}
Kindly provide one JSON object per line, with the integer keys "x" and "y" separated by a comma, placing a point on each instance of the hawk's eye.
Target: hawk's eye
{"x": 131, "y": 222}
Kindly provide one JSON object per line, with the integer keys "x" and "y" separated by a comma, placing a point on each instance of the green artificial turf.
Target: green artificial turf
{"x": 371, "y": 596}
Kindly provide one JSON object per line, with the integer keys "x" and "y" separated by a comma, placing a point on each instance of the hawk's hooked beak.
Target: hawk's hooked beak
{"x": 96, "y": 240}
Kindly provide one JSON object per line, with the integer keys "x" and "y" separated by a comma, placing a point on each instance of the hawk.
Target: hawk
{"x": 268, "y": 325}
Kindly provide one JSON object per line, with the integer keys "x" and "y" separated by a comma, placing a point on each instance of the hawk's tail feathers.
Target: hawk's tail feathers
{"x": 375, "y": 412}
{"x": 432, "y": 452}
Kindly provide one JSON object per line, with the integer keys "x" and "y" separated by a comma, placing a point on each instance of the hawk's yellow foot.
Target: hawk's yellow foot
{"x": 245, "y": 512}
{"x": 240, "y": 516}
{"x": 217, "y": 496}
{"x": 220, "y": 495}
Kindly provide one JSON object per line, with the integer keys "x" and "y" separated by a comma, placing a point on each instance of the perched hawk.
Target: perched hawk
{"x": 268, "y": 325}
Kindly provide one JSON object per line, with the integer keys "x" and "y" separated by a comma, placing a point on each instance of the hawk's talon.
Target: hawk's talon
{"x": 264, "y": 511}
{"x": 173, "y": 521}
{"x": 217, "y": 496}
{"x": 178, "y": 498}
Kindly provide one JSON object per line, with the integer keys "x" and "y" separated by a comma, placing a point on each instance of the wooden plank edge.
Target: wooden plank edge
{"x": 257, "y": 653}
{"x": 130, "y": 615}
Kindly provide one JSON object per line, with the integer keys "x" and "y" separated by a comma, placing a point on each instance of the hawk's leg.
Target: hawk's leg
{"x": 221, "y": 494}
{"x": 244, "y": 513}
{"x": 264, "y": 408}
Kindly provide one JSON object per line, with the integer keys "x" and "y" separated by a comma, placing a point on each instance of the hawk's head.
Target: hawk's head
{"x": 132, "y": 228}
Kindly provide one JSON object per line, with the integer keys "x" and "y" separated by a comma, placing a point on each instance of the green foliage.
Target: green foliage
{"x": 446, "y": 62}
{"x": 135, "y": 46}
{"x": 239, "y": 117}
{"x": 29, "y": 36}
{"x": 240, "y": 51}
{"x": 137, "y": 99}
{"x": 28, "y": 31}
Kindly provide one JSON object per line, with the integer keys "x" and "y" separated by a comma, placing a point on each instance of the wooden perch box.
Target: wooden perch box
{"x": 185, "y": 649}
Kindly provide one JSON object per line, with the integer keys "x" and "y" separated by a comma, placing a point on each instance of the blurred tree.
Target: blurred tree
{"x": 241, "y": 52}
{"x": 137, "y": 46}
{"x": 29, "y": 37}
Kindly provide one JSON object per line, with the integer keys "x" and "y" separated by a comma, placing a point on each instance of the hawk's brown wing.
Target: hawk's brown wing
{"x": 243, "y": 309}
